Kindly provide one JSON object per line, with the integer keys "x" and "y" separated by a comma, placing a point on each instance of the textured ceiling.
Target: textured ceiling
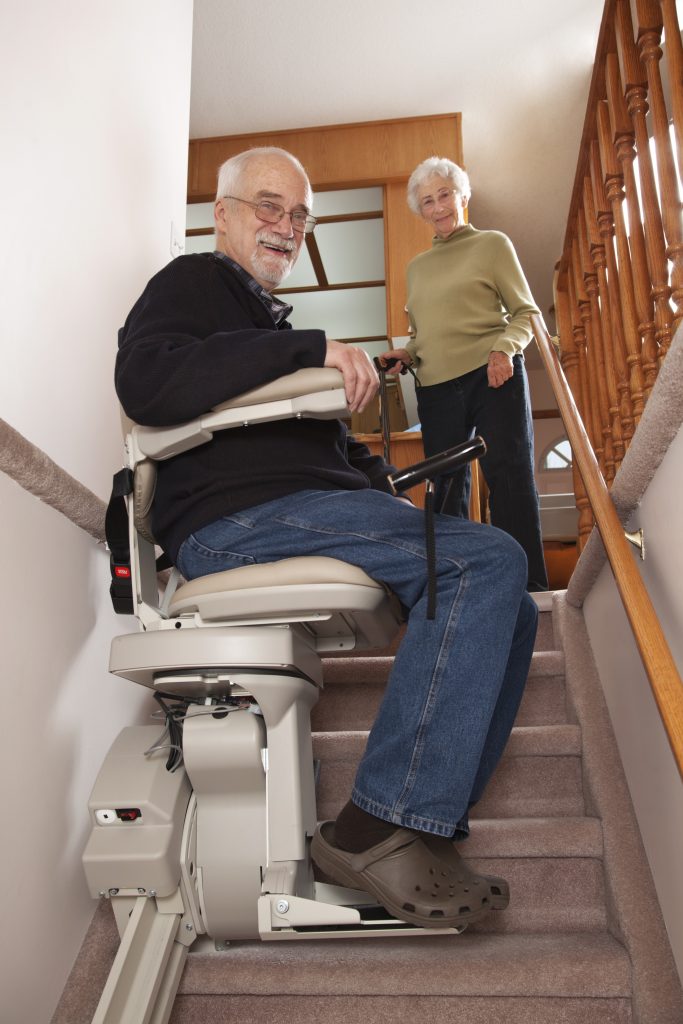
{"x": 517, "y": 70}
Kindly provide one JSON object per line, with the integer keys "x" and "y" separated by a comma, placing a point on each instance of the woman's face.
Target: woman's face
{"x": 441, "y": 206}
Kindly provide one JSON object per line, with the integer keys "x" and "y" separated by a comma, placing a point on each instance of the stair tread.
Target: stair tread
{"x": 534, "y": 837}
{"x": 525, "y": 740}
{"x": 496, "y": 964}
{"x": 338, "y": 671}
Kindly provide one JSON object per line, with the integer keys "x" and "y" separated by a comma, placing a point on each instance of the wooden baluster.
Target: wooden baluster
{"x": 634, "y": 83}
{"x": 624, "y": 137}
{"x": 579, "y": 337}
{"x": 603, "y": 311}
{"x": 583, "y": 310}
{"x": 593, "y": 328}
{"x": 649, "y": 37}
{"x": 570, "y": 362}
{"x": 605, "y": 220}
{"x": 614, "y": 188}
{"x": 674, "y": 58}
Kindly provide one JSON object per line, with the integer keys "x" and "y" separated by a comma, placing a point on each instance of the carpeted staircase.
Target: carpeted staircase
{"x": 582, "y": 941}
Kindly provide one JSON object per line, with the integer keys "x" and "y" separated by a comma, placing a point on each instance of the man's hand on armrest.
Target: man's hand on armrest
{"x": 360, "y": 376}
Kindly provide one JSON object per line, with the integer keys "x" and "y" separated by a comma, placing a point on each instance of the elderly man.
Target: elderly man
{"x": 207, "y": 328}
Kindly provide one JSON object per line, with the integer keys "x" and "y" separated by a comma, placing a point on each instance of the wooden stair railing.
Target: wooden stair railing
{"x": 619, "y": 281}
{"x": 658, "y": 662}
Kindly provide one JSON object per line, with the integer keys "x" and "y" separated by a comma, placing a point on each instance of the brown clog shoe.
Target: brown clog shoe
{"x": 445, "y": 850}
{"x": 407, "y": 878}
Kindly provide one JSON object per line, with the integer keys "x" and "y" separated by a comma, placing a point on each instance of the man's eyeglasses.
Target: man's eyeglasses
{"x": 271, "y": 213}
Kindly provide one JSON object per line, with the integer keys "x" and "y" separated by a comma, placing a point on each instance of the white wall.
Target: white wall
{"x": 655, "y": 783}
{"x": 94, "y": 126}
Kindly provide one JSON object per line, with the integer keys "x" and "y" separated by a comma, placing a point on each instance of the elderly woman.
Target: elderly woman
{"x": 469, "y": 306}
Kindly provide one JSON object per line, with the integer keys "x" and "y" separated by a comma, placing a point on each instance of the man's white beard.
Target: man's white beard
{"x": 267, "y": 272}
{"x": 265, "y": 263}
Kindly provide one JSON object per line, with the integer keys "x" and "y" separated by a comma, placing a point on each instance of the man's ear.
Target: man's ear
{"x": 219, "y": 215}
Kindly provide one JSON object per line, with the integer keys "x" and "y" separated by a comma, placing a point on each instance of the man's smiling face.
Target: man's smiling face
{"x": 267, "y": 251}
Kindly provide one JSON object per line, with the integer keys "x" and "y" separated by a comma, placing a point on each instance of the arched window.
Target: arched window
{"x": 557, "y": 455}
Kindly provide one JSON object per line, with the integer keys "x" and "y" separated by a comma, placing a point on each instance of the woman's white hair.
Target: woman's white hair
{"x": 446, "y": 169}
{"x": 231, "y": 172}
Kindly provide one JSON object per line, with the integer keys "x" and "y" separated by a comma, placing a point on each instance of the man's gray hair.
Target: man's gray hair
{"x": 231, "y": 172}
{"x": 446, "y": 169}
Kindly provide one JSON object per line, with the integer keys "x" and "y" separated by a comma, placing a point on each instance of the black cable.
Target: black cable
{"x": 430, "y": 544}
{"x": 173, "y": 717}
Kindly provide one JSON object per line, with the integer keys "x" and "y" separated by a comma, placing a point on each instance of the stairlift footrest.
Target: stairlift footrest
{"x": 278, "y": 911}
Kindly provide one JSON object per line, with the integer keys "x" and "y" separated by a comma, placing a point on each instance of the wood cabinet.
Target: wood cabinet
{"x": 406, "y": 448}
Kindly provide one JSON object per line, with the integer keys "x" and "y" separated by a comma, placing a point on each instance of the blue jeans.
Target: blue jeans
{"x": 457, "y": 680}
{"x": 452, "y": 412}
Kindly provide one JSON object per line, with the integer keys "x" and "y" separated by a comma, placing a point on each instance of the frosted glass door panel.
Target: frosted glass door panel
{"x": 348, "y": 313}
{"x": 348, "y": 200}
{"x": 352, "y": 251}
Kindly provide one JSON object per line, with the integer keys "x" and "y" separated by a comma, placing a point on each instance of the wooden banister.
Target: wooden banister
{"x": 658, "y": 662}
{"x": 621, "y": 269}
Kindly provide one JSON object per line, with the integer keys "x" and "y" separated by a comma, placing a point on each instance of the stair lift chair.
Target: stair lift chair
{"x": 203, "y": 835}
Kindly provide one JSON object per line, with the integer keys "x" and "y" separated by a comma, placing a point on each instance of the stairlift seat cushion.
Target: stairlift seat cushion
{"x": 291, "y": 586}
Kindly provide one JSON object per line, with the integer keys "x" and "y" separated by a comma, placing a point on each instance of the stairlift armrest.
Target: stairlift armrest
{"x": 314, "y": 392}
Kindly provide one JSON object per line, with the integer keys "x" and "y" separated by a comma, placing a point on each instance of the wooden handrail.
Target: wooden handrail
{"x": 665, "y": 681}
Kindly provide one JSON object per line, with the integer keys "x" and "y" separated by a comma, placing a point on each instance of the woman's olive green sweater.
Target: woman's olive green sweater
{"x": 467, "y": 297}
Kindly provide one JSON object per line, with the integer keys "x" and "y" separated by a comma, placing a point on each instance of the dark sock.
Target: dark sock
{"x": 356, "y": 831}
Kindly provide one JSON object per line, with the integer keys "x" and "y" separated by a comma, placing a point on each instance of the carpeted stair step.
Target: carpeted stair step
{"x": 545, "y": 634}
{"x": 547, "y": 894}
{"x": 354, "y": 688}
{"x": 578, "y": 978}
{"x": 198, "y": 1009}
{"x": 553, "y": 866}
{"x": 534, "y": 837}
{"x": 539, "y": 774}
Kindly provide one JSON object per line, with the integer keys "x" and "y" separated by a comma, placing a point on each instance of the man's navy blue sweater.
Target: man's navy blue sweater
{"x": 196, "y": 337}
